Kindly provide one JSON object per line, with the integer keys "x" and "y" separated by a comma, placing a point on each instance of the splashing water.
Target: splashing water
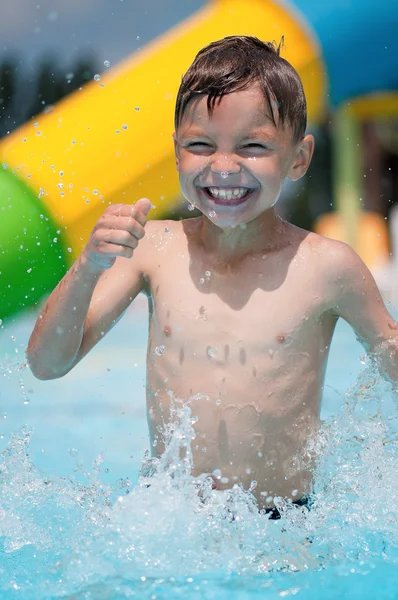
{"x": 173, "y": 536}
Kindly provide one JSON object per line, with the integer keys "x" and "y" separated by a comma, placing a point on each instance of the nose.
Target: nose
{"x": 224, "y": 164}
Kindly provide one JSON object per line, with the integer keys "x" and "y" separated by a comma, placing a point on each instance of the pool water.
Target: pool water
{"x": 75, "y": 524}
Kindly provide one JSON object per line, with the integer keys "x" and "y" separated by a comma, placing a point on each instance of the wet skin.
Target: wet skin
{"x": 242, "y": 304}
{"x": 251, "y": 344}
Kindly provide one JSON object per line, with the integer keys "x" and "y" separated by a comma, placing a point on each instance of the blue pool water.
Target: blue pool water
{"x": 75, "y": 524}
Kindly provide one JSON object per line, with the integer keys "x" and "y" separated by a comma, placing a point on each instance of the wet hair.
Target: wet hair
{"x": 236, "y": 62}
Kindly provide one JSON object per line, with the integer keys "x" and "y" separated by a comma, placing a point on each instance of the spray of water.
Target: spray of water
{"x": 59, "y": 536}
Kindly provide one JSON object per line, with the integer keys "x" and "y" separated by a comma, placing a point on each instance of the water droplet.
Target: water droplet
{"x": 218, "y": 401}
{"x": 29, "y": 270}
{"x": 97, "y": 77}
{"x": 224, "y": 174}
{"x": 212, "y": 214}
{"x": 159, "y": 350}
{"x": 35, "y": 124}
{"x": 154, "y": 443}
{"x": 207, "y": 274}
{"x": 217, "y": 473}
{"x": 191, "y": 207}
{"x": 117, "y": 130}
{"x": 61, "y": 173}
{"x": 125, "y": 127}
{"x": 253, "y": 485}
{"x": 107, "y": 64}
{"x": 69, "y": 249}
{"x": 137, "y": 108}
{"x": 201, "y": 281}
{"x": 167, "y": 229}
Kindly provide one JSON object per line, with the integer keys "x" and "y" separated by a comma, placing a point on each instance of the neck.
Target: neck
{"x": 262, "y": 234}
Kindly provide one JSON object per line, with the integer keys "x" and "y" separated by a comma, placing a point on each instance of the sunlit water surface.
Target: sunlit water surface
{"x": 76, "y": 521}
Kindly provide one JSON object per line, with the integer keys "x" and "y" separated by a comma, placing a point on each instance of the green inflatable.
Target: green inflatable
{"x": 32, "y": 256}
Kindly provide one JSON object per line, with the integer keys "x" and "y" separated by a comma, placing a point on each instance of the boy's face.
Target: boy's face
{"x": 232, "y": 165}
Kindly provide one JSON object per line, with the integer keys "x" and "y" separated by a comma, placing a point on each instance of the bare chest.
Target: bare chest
{"x": 235, "y": 320}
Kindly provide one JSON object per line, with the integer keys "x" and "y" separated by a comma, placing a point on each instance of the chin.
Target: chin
{"x": 226, "y": 222}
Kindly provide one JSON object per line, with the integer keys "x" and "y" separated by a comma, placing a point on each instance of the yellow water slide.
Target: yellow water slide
{"x": 111, "y": 141}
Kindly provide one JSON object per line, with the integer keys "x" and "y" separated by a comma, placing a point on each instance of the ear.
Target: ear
{"x": 302, "y": 158}
{"x": 176, "y": 151}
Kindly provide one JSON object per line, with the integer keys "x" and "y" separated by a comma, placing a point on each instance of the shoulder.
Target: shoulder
{"x": 157, "y": 233}
{"x": 333, "y": 257}
{"x": 347, "y": 282}
{"x": 341, "y": 262}
{"x": 168, "y": 233}
{"x": 337, "y": 268}
{"x": 165, "y": 238}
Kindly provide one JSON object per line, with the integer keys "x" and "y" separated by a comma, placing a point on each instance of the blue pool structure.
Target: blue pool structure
{"x": 74, "y": 523}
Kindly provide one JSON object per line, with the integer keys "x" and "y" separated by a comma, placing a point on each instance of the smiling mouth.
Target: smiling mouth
{"x": 227, "y": 196}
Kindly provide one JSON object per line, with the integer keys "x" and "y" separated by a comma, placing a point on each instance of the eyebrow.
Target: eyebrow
{"x": 256, "y": 135}
{"x": 250, "y": 135}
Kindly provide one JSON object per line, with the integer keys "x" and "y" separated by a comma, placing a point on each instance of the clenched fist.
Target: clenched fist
{"x": 117, "y": 233}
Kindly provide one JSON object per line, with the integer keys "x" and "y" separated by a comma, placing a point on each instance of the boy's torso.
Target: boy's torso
{"x": 247, "y": 347}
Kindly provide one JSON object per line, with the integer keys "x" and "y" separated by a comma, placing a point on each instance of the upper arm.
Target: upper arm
{"x": 356, "y": 298}
{"x": 116, "y": 289}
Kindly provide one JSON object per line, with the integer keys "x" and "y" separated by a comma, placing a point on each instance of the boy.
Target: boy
{"x": 243, "y": 305}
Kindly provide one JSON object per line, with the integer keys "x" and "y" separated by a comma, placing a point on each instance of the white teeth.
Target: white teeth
{"x": 227, "y": 194}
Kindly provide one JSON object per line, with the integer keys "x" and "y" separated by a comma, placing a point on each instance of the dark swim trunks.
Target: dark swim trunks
{"x": 274, "y": 513}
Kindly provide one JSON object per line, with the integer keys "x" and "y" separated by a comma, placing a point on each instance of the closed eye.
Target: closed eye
{"x": 195, "y": 144}
{"x": 253, "y": 145}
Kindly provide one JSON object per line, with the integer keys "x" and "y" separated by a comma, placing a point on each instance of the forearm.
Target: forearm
{"x": 58, "y": 333}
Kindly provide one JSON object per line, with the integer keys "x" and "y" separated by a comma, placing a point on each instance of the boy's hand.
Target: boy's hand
{"x": 116, "y": 233}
